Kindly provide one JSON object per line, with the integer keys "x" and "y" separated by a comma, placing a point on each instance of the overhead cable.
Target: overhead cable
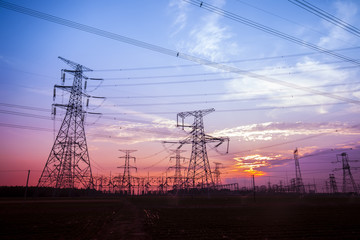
{"x": 173, "y": 53}
{"x": 232, "y": 61}
{"x": 326, "y": 16}
{"x": 217, "y": 101}
{"x": 269, "y": 30}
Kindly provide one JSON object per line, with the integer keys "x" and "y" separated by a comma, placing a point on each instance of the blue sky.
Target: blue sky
{"x": 151, "y": 87}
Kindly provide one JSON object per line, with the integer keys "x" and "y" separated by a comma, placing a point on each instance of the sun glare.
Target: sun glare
{"x": 248, "y": 165}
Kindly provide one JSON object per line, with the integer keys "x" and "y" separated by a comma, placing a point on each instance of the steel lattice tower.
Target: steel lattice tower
{"x": 199, "y": 171}
{"x": 349, "y": 184}
{"x": 126, "y": 178}
{"x": 68, "y": 165}
{"x": 299, "y": 185}
{"x": 333, "y": 186}
{"x": 178, "y": 180}
{"x": 217, "y": 174}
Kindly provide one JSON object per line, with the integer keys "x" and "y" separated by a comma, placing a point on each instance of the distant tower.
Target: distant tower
{"x": 111, "y": 184}
{"x": 348, "y": 180}
{"x": 299, "y": 185}
{"x": 199, "y": 171}
{"x": 68, "y": 165}
{"x": 333, "y": 186}
{"x": 126, "y": 181}
{"x": 177, "y": 179}
{"x": 217, "y": 173}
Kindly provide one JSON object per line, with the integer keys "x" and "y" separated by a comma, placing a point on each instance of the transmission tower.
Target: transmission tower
{"x": 333, "y": 186}
{"x": 126, "y": 178}
{"x": 199, "y": 171}
{"x": 217, "y": 178}
{"x": 299, "y": 185}
{"x": 68, "y": 165}
{"x": 349, "y": 184}
{"x": 178, "y": 180}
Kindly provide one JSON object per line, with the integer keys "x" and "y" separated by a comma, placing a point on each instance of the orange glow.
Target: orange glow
{"x": 255, "y": 172}
{"x": 248, "y": 165}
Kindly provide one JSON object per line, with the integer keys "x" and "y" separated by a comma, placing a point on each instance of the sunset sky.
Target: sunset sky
{"x": 270, "y": 94}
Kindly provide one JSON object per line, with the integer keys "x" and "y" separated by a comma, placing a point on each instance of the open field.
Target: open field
{"x": 159, "y": 217}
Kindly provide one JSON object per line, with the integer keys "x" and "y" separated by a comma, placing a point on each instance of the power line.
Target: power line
{"x": 210, "y": 74}
{"x": 16, "y": 126}
{"x": 240, "y": 109}
{"x": 24, "y": 107}
{"x": 280, "y": 17}
{"x": 25, "y": 114}
{"x": 173, "y": 53}
{"x": 219, "y": 101}
{"x": 22, "y": 114}
{"x": 269, "y": 30}
{"x": 293, "y": 141}
{"x": 221, "y": 110}
{"x": 199, "y": 80}
{"x": 233, "y": 61}
{"x": 222, "y": 93}
{"x": 25, "y": 127}
{"x": 326, "y": 16}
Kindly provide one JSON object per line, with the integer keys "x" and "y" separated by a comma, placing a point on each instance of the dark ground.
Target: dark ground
{"x": 200, "y": 217}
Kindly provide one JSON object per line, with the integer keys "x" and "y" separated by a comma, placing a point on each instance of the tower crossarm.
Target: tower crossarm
{"x": 196, "y": 114}
{"x": 75, "y": 65}
{"x": 187, "y": 140}
{"x": 220, "y": 140}
{"x": 69, "y": 88}
{"x": 67, "y": 105}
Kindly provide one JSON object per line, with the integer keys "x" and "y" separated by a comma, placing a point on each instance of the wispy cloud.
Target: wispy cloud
{"x": 178, "y": 9}
{"x": 307, "y": 73}
{"x": 208, "y": 37}
{"x": 346, "y": 11}
{"x": 275, "y": 130}
{"x": 253, "y": 164}
{"x": 145, "y": 128}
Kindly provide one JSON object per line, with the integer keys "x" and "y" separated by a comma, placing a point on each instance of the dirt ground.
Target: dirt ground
{"x": 159, "y": 217}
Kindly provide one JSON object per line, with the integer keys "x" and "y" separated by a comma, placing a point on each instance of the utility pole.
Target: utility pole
{"x": 199, "y": 171}
{"x": 27, "y": 184}
{"x": 126, "y": 179}
{"x": 299, "y": 185}
{"x": 68, "y": 164}
{"x": 254, "y": 189}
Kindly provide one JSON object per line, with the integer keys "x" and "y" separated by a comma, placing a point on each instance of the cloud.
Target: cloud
{"x": 279, "y": 130}
{"x": 134, "y": 131}
{"x": 179, "y": 9}
{"x": 252, "y": 164}
{"x": 346, "y": 11}
{"x": 208, "y": 37}
{"x": 306, "y": 73}
{"x": 260, "y": 164}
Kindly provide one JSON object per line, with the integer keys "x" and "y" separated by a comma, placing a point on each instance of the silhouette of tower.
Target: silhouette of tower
{"x": 349, "y": 184}
{"x": 217, "y": 173}
{"x": 177, "y": 179}
{"x": 68, "y": 165}
{"x": 111, "y": 184}
{"x": 126, "y": 181}
{"x": 199, "y": 171}
{"x": 333, "y": 186}
{"x": 299, "y": 185}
